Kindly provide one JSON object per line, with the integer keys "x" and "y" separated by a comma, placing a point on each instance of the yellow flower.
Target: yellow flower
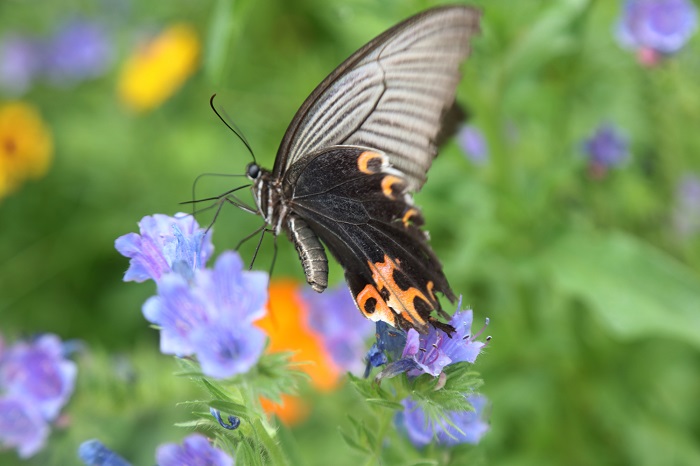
{"x": 26, "y": 146}
{"x": 159, "y": 68}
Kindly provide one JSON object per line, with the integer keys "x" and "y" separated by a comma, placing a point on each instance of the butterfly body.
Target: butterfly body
{"x": 356, "y": 150}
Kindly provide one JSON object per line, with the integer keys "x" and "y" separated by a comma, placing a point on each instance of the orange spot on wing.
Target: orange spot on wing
{"x": 430, "y": 287}
{"x": 400, "y": 301}
{"x": 388, "y": 183}
{"x": 407, "y": 216}
{"x": 381, "y": 310}
{"x": 365, "y": 158}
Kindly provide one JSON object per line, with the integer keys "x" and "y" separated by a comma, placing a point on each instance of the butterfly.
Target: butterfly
{"x": 357, "y": 149}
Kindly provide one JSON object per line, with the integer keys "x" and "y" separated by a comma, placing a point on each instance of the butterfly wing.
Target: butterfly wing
{"x": 390, "y": 95}
{"x": 365, "y": 216}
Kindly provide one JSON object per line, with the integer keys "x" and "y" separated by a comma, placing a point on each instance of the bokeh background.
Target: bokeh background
{"x": 574, "y": 224}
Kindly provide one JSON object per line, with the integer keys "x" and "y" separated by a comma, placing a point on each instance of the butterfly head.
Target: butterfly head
{"x": 252, "y": 171}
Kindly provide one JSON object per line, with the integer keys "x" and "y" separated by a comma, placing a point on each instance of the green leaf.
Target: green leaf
{"x": 385, "y": 403}
{"x": 215, "y": 391}
{"x": 550, "y": 36}
{"x": 461, "y": 377}
{"x": 220, "y": 32}
{"x": 245, "y": 454}
{"x": 353, "y": 443}
{"x": 634, "y": 289}
{"x": 273, "y": 449}
{"x": 230, "y": 407}
{"x": 366, "y": 388}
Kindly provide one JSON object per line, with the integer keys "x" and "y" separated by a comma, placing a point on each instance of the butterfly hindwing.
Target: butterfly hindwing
{"x": 365, "y": 216}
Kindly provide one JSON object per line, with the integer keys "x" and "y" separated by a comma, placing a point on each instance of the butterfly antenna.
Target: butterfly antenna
{"x": 232, "y": 126}
{"x": 218, "y": 197}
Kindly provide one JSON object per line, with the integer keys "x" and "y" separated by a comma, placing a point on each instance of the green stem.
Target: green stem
{"x": 384, "y": 422}
{"x": 262, "y": 429}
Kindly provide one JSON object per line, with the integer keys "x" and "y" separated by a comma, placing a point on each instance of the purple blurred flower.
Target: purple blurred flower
{"x": 472, "y": 142}
{"x": 79, "y": 50}
{"x": 429, "y": 354}
{"x": 686, "y": 213}
{"x": 22, "y": 425}
{"x": 195, "y": 450}
{"x": 606, "y": 148}
{"x": 20, "y": 61}
{"x": 165, "y": 244}
{"x": 39, "y": 373}
{"x": 196, "y": 316}
{"x": 333, "y": 316}
{"x": 657, "y": 26}
{"x": 95, "y": 453}
{"x": 462, "y": 427}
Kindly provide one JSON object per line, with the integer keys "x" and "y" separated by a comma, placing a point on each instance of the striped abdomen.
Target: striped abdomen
{"x": 311, "y": 252}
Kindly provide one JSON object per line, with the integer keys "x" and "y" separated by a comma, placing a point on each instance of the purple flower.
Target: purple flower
{"x": 660, "y": 26}
{"x": 165, "y": 244}
{"x": 606, "y": 148}
{"x": 388, "y": 347}
{"x": 20, "y": 61}
{"x": 227, "y": 349}
{"x": 459, "y": 427}
{"x": 95, "y": 453}
{"x": 686, "y": 213}
{"x": 22, "y": 425}
{"x": 79, "y": 50}
{"x": 195, "y": 450}
{"x": 212, "y": 316}
{"x": 333, "y": 316}
{"x": 39, "y": 373}
{"x": 429, "y": 354}
{"x": 472, "y": 142}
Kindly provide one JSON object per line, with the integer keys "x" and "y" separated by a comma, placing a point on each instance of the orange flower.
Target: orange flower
{"x": 159, "y": 68}
{"x": 285, "y": 323}
{"x": 26, "y": 146}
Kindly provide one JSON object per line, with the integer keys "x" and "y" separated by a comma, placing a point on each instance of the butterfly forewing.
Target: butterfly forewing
{"x": 390, "y": 95}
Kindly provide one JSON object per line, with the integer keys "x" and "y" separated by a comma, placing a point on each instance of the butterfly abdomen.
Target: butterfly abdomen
{"x": 311, "y": 252}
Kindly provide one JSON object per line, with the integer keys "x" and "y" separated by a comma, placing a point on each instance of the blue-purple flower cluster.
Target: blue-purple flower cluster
{"x": 605, "y": 148}
{"x": 78, "y": 50}
{"x": 686, "y": 212}
{"x": 656, "y": 27}
{"x": 194, "y": 450}
{"x": 36, "y": 381}
{"x": 473, "y": 143}
{"x": 458, "y": 427}
{"x": 204, "y": 312}
{"x": 333, "y": 316}
{"x": 430, "y": 354}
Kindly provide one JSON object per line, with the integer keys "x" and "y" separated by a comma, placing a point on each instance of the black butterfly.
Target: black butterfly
{"x": 356, "y": 150}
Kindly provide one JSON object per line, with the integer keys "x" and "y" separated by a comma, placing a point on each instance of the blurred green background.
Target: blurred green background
{"x": 593, "y": 295}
